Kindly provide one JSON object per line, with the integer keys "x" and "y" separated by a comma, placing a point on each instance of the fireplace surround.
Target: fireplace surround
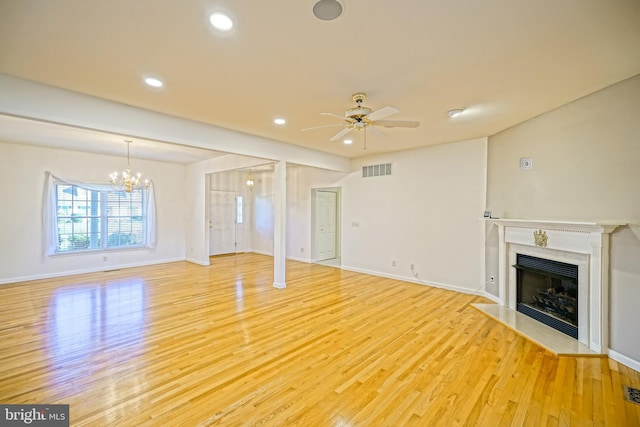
{"x": 584, "y": 245}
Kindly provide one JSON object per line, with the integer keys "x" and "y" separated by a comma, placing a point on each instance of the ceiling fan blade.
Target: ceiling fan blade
{"x": 396, "y": 123}
{"x": 382, "y": 113}
{"x": 377, "y": 132}
{"x": 340, "y": 134}
{"x": 333, "y": 115}
{"x": 323, "y": 126}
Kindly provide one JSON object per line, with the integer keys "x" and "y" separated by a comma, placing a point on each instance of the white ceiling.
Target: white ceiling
{"x": 505, "y": 61}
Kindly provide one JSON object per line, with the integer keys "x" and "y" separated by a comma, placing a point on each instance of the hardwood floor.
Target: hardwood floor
{"x": 184, "y": 345}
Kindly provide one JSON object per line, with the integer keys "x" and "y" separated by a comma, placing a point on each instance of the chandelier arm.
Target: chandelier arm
{"x": 128, "y": 182}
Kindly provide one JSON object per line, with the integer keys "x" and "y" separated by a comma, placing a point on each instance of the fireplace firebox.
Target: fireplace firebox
{"x": 547, "y": 291}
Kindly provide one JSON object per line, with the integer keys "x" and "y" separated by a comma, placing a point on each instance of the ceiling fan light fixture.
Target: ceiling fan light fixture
{"x": 357, "y": 112}
{"x": 327, "y": 10}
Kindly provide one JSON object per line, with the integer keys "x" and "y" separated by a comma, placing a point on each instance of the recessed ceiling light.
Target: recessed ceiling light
{"x": 279, "y": 121}
{"x": 220, "y": 21}
{"x": 348, "y": 141}
{"x": 455, "y": 113}
{"x": 153, "y": 82}
{"x": 327, "y": 10}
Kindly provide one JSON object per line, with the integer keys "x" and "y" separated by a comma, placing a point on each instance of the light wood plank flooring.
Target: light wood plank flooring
{"x": 184, "y": 345}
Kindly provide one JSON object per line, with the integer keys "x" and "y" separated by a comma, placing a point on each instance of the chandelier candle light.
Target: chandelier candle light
{"x": 128, "y": 182}
{"x": 250, "y": 181}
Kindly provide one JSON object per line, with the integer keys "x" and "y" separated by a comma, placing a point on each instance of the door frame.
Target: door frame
{"x": 211, "y": 211}
{"x": 314, "y": 238}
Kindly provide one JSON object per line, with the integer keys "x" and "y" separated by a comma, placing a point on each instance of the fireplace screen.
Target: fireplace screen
{"x": 547, "y": 291}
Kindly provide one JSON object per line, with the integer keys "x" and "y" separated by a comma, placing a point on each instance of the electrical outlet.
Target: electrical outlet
{"x": 301, "y": 250}
{"x": 412, "y": 266}
{"x": 492, "y": 280}
{"x": 393, "y": 263}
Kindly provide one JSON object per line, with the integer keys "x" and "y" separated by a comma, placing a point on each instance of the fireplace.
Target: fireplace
{"x": 579, "y": 255}
{"x": 547, "y": 291}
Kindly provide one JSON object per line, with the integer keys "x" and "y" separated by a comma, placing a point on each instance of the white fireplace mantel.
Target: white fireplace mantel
{"x": 585, "y": 244}
{"x": 575, "y": 226}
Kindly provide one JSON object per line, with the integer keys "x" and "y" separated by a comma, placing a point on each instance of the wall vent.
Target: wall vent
{"x": 376, "y": 170}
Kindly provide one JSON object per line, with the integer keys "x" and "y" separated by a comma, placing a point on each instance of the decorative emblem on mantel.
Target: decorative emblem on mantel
{"x": 540, "y": 238}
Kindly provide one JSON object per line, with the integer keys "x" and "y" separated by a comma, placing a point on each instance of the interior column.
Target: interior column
{"x": 280, "y": 224}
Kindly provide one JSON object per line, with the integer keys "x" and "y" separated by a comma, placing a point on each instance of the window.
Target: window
{"x": 81, "y": 216}
{"x": 239, "y": 213}
{"x": 98, "y": 219}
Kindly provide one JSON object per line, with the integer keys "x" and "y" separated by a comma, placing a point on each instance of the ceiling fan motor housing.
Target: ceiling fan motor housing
{"x": 359, "y": 97}
{"x": 357, "y": 113}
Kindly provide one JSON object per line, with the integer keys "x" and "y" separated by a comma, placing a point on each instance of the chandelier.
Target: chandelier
{"x": 250, "y": 180}
{"x": 127, "y": 181}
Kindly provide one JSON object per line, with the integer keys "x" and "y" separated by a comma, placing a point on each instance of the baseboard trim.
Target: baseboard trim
{"x": 627, "y": 361}
{"x": 415, "y": 280}
{"x": 492, "y": 297}
{"x": 261, "y": 252}
{"x": 198, "y": 262}
{"x": 305, "y": 260}
{"x": 85, "y": 270}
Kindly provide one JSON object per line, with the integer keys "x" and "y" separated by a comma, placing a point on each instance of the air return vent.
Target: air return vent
{"x": 376, "y": 170}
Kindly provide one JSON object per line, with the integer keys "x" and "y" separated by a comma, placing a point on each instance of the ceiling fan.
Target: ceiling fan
{"x": 361, "y": 118}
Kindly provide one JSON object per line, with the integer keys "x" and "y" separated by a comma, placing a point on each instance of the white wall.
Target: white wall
{"x": 197, "y": 199}
{"x": 585, "y": 161}
{"x": 426, "y": 213}
{"x": 22, "y": 178}
{"x": 586, "y": 158}
{"x": 625, "y": 294}
{"x": 262, "y": 211}
{"x": 300, "y": 182}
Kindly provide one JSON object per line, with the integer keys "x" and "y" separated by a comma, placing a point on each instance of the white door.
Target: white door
{"x": 326, "y": 216}
{"x": 222, "y": 222}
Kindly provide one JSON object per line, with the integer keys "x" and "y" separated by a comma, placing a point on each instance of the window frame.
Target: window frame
{"x": 104, "y": 217}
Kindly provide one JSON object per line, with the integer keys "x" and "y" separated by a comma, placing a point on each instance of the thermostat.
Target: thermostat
{"x": 526, "y": 163}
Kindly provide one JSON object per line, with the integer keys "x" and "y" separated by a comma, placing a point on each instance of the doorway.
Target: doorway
{"x": 325, "y": 224}
{"x": 226, "y": 226}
